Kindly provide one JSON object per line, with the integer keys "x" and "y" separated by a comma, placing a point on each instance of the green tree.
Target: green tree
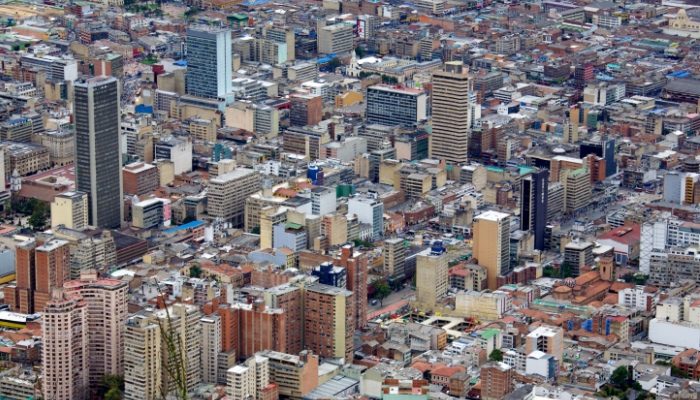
{"x": 195, "y": 271}
{"x": 359, "y": 51}
{"x": 381, "y": 290}
{"x": 334, "y": 63}
{"x": 496, "y": 355}
{"x": 637, "y": 386}
{"x": 565, "y": 270}
{"x": 620, "y": 376}
{"x": 255, "y": 230}
{"x": 38, "y": 220}
{"x": 111, "y": 387}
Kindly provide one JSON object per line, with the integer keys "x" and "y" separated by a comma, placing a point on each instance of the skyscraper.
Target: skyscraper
{"x": 432, "y": 279}
{"x": 64, "y": 338}
{"x": 209, "y": 62}
{"x": 98, "y": 170}
{"x": 356, "y": 264}
{"x": 52, "y": 270}
{"x": 492, "y": 245}
{"x": 533, "y": 205}
{"x": 454, "y": 113}
{"x": 106, "y": 315}
{"x": 142, "y": 358}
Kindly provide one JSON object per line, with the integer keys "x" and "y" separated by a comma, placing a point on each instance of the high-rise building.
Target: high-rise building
{"x": 209, "y": 62}
{"x": 496, "y": 380}
{"x": 335, "y": 39}
{"x": 227, "y": 194}
{"x": 251, "y": 380}
{"x": 182, "y": 323}
{"x": 64, "y": 347}
{"x": 328, "y": 274}
{"x": 452, "y": 98}
{"x": 70, "y": 209}
{"x": 211, "y": 347}
{"x": 98, "y": 168}
{"x": 492, "y": 245}
{"x": 329, "y": 321}
{"x": 534, "y": 193}
{"x": 20, "y": 297}
{"x": 432, "y": 275}
{"x": 106, "y": 301}
{"x": 394, "y": 257}
{"x": 391, "y": 105}
{"x": 577, "y": 188}
{"x": 142, "y": 358}
{"x": 356, "y": 264}
{"x": 605, "y": 148}
{"x": 52, "y": 270}
{"x": 288, "y": 298}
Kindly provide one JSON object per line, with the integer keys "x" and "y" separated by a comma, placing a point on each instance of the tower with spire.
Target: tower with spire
{"x": 15, "y": 181}
{"x": 354, "y": 68}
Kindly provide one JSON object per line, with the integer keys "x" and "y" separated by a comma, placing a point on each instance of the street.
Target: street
{"x": 393, "y": 298}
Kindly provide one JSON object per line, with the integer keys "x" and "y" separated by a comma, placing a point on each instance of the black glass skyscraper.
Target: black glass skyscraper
{"x": 98, "y": 169}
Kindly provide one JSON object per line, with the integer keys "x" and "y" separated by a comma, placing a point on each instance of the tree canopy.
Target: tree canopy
{"x": 381, "y": 289}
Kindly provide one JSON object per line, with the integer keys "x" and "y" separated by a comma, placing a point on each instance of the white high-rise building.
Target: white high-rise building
{"x": 211, "y": 346}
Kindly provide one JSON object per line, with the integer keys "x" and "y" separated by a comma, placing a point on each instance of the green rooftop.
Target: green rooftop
{"x": 579, "y": 171}
{"x": 490, "y": 333}
{"x": 292, "y": 225}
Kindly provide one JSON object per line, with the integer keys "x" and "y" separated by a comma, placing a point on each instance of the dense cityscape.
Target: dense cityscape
{"x": 355, "y": 200}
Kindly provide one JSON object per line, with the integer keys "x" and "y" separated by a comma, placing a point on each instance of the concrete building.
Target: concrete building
{"x": 150, "y": 213}
{"x": 391, "y": 105}
{"x": 335, "y": 228}
{"x": 431, "y": 275}
{"x": 227, "y": 194}
{"x": 496, "y": 381}
{"x": 577, "y": 189}
{"x": 329, "y": 321}
{"x": 322, "y": 200}
{"x": 251, "y": 380}
{"x": 61, "y": 145}
{"x": 394, "y": 257}
{"x": 52, "y": 270}
{"x": 183, "y": 322}
{"x": 356, "y": 264}
{"x": 492, "y": 244}
{"x": 577, "y": 254}
{"x": 177, "y": 150}
{"x": 209, "y": 62}
{"x": 369, "y": 210}
{"x": 295, "y": 375}
{"x": 547, "y": 339}
{"x": 64, "y": 350}
{"x": 483, "y": 305}
{"x": 142, "y": 358}
{"x": 140, "y": 179}
{"x": 98, "y": 169}
{"x": 211, "y": 347}
{"x": 335, "y": 39}
{"x": 70, "y": 209}
{"x": 26, "y": 158}
{"x": 330, "y": 275}
{"x": 454, "y": 113}
{"x": 305, "y": 109}
{"x": 106, "y": 301}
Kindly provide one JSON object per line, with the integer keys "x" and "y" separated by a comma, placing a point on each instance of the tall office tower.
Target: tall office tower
{"x": 209, "y": 62}
{"x": 227, "y": 194}
{"x": 211, "y": 347}
{"x": 496, "y": 380}
{"x": 394, "y": 258}
{"x": 392, "y": 105}
{"x": 356, "y": 264}
{"x": 432, "y": 275}
{"x": 20, "y": 297}
{"x": 142, "y": 358}
{"x": 452, "y": 98}
{"x": 328, "y": 321}
{"x": 64, "y": 347}
{"x": 577, "y": 188}
{"x": 98, "y": 162}
{"x": 106, "y": 315}
{"x": 492, "y": 245}
{"x": 52, "y": 270}
{"x": 182, "y": 321}
{"x": 534, "y": 191}
{"x": 70, "y": 209}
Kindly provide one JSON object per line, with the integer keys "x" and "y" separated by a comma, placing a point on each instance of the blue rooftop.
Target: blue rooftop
{"x": 181, "y": 63}
{"x": 188, "y": 225}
